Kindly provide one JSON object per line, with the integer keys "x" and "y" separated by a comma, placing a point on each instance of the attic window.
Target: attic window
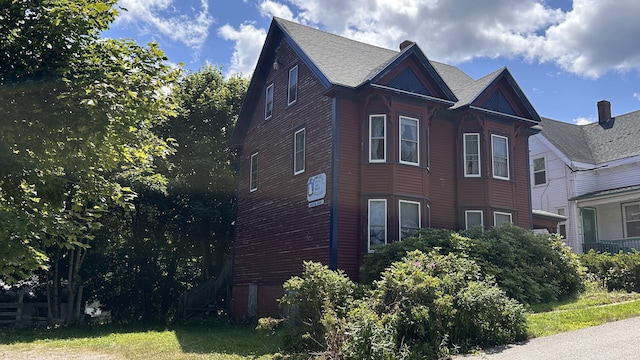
{"x": 268, "y": 104}
{"x": 292, "y": 93}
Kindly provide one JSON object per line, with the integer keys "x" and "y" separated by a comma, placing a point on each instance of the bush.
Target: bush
{"x": 315, "y": 303}
{"x": 531, "y": 268}
{"x": 614, "y": 272}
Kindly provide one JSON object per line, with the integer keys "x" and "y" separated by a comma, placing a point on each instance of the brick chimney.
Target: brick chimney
{"x": 604, "y": 111}
{"x": 405, "y": 44}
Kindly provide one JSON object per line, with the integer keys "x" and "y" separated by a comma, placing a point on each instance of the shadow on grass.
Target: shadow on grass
{"x": 242, "y": 340}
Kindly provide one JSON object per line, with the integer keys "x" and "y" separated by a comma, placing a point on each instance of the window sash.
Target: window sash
{"x": 268, "y": 104}
{"x": 292, "y": 93}
{"x": 471, "y": 155}
{"x": 377, "y": 222}
{"x": 409, "y": 141}
{"x": 500, "y": 218}
{"x": 632, "y": 220}
{"x": 409, "y": 218}
{"x": 500, "y": 156}
{"x": 539, "y": 171}
{"x": 299, "y": 151}
{"x": 253, "y": 177}
{"x": 473, "y": 218}
{"x": 377, "y": 138}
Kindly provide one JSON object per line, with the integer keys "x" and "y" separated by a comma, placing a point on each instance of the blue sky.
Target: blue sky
{"x": 565, "y": 54}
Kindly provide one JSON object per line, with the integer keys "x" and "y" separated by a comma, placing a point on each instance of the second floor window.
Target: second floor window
{"x": 292, "y": 92}
{"x": 539, "y": 171}
{"x": 268, "y": 103}
{"x": 409, "y": 143}
{"x": 377, "y": 138}
{"x": 298, "y": 151}
{"x": 500, "y": 157}
{"x": 409, "y": 218}
{"x": 253, "y": 177}
{"x": 471, "y": 155}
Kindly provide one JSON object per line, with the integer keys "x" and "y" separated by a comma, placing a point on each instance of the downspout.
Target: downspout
{"x": 333, "y": 210}
{"x": 529, "y": 185}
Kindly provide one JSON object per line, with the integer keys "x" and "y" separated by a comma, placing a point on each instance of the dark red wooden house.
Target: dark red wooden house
{"x": 343, "y": 145}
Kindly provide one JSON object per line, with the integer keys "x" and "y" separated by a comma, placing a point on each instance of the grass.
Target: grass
{"x": 595, "y": 307}
{"x": 224, "y": 342}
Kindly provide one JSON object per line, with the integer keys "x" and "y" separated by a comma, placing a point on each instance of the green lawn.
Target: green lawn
{"x": 220, "y": 342}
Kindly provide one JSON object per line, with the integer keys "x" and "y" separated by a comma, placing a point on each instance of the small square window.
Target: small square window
{"x": 473, "y": 218}
{"x": 500, "y": 218}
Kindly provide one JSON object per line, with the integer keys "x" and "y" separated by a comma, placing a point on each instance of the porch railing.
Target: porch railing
{"x": 613, "y": 246}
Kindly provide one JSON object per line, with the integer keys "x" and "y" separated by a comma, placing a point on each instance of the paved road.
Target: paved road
{"x": 619, "y": 340}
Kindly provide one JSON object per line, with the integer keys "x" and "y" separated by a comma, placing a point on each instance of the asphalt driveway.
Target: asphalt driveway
{"x": 619, "y": 340}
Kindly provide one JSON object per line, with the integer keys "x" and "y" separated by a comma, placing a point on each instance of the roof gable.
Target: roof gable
{"x": 407, "y": 80}
{"x": 497, "y": 102}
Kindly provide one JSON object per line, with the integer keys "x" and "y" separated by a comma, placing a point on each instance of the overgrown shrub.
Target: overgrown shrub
{"x": 315, "y": 303}
{"x": 531, "y": 268}
{"x": 614, "y": 272}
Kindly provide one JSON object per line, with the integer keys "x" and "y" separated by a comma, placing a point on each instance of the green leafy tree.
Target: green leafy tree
{"x": 78, "y": 114}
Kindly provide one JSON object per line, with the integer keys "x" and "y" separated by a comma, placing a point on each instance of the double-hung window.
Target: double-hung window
{"x": 409, "y": 142}
{"x": 500, "y": 157}
{"x": 471, "y": 155}
{"x": 253, "y": 177}
{"x": 409, "y": 218}
{"x": 268, "y": 103}
{"x": 377, "y": 138}
{"x": 473, "y": 218}
{"x": 500, "y": 218}
{"x": 631, "y": 219}
{"x": 292, "y": 92}
{"x": 377, "y": 222}
{"x": 539, "y": 171}
{"x": 298, "y": 151}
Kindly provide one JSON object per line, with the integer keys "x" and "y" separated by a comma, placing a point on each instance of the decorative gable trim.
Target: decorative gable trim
{"x": 408, "y": 81}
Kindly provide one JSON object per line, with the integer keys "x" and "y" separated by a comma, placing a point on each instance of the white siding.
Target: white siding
{"x": 618, "y": 176}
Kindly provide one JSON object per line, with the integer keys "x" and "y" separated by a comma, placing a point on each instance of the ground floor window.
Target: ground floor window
{"x": 500, "y": 218}
{"x": 473, "y": 218}
{"x": 377, "y": 222}
{"x": 409, "y": 218}
{"x": 632, "y": 219}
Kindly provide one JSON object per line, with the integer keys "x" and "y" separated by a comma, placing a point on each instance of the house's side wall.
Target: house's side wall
{"x": 612, "y": 177}
{"x": 555, "y": 193}
{"x": 275, "y": 228}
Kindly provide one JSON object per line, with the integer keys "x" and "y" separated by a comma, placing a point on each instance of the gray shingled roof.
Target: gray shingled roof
{"x": 596, "y": 143}
{"x": 359, "y": 62}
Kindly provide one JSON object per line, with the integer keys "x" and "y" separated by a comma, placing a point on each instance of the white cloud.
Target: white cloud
{"x": 163, "y": 17}
{"x": 248, "y": 43}
{"x": 636, "y": 95}
{"x": 583, "y": 121}
{"x": 590, "y": 39}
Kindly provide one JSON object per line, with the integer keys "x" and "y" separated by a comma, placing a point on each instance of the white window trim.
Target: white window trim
{"x": 384, "y": 141}
{"x": 464, "y": 139}
{"x": 251, "y": 179}
{"x": 400, "y": 202}
{"x": 289, "y": 102}
{"x": 266, "y": 102}
{"x": 493, "y": 167}
{"x": 417, "y": 141}
{"x": 369, "y": 222}
{"x": 295, "y": 149}
{"x": 533, "y": 172}
{"x": 624, "y": 217}
{"x": 502, "y": 213}
{"x": 466, "y": 218}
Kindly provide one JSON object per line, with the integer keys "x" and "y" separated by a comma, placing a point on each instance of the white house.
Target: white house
{"x": 591, "y": 175}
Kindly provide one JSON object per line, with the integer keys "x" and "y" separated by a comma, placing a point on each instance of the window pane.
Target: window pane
{"x": 253, "y": 182}
{"x": 409, "y": 218}
{"x": 298, "y": 165}
{"x": 539, "y": 171}
{"x": 409, "y": 140}
{"x": 538, "y": 164}
{"x": 502, "y": 219}
{"x": 293, "y": 85}
{"x": 268, "y": 106}
{"x": 474, "y": 218}
{"x": 377, "y": 141}
{"x": 377, "y": 222}
{"x": 472, "y": 154}
{"x": 632, "y": 219}
{"x": 500, "y": 157}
